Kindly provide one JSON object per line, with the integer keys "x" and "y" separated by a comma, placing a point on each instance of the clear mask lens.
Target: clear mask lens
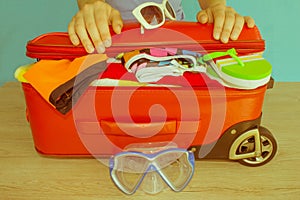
{"x": 178, "y": 172}
{"x": 129, "y": 170}
{"x": 173, "y": 167}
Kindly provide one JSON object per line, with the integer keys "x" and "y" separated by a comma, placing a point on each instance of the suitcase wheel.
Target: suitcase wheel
{"x": 254, "y": 148}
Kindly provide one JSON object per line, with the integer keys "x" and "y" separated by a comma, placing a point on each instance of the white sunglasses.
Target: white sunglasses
{"x": 152, "y": 15}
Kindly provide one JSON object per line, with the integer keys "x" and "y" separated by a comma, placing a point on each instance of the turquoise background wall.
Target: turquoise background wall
{"x": 20, "y": 21}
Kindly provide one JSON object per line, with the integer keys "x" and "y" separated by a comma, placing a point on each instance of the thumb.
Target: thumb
{"x": 249, "y": 21}
{"x": 202, "y": 17}
{"x": 116, "y": 21}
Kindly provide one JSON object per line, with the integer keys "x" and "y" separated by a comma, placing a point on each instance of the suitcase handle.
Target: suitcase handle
{"x": 141, "y": 130}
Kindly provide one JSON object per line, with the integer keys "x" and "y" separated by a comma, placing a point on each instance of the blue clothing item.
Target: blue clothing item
{"x": 126, "y": 6}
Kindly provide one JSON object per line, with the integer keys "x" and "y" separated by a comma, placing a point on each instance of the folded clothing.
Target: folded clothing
{"x": 55, "y": 79}
{"x": 62, "y": 82}
{"x": 159, "y": 57}
{"x": 68, "y": 93}
{"x": 189, "y": 79}
{"x": 153, "y": 65}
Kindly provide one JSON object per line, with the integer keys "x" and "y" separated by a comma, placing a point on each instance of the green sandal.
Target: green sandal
{"x": 250, "y": 71}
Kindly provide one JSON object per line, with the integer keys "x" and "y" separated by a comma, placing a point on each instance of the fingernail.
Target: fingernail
{"x": 217, "y": 36}
{"x": 203, "y": 18}
{"x": 250, "y": 25}
{"x": 90, "y": 48}
{"x": 118, "y": 29}
{"x": 107, "y": 43}
{"x": 234, "y": 36}
{"x": 75, "y": 41}
{"x": 224, "y": 39}
{"x": 101, "y": 49}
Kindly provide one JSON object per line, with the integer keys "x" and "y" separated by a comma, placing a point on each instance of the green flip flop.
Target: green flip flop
{"x": 248, "y": 71}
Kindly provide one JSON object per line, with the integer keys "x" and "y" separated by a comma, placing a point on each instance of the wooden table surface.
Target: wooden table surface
{"x": 24, "y": 174}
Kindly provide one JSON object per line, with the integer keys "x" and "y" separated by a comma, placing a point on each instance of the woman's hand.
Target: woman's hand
{"x": 228, "y": 24}
{"x": 90, "y": 26}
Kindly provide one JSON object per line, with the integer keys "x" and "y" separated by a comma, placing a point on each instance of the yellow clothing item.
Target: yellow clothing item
{"x": 19, "y": 73}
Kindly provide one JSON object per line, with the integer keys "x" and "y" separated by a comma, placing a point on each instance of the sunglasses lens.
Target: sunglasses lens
{"x": 170, "y": 10}
{"x": 152, "y": 14}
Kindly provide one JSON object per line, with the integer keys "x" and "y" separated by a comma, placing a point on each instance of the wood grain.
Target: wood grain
{"x": 24, "y": 174}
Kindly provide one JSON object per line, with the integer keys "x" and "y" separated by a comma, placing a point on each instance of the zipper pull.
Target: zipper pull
{"x": 231, "y": 52}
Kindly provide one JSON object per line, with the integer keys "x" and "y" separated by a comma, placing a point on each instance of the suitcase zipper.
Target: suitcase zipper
{"x": 57, "y": 45}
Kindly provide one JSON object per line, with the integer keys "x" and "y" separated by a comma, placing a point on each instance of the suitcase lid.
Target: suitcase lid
{"x": 185, "y": 35}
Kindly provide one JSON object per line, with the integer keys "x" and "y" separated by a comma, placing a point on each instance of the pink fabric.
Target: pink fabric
{"x": 158, "y": 52}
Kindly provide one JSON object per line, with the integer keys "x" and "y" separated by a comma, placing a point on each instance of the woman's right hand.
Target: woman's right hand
{"x": 90, "y": 26}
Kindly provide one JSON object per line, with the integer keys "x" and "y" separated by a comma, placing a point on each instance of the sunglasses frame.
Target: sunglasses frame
{"x": 163, "y": 8}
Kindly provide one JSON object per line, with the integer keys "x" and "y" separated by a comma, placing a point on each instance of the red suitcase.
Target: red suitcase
{"x": 214, "y": 121}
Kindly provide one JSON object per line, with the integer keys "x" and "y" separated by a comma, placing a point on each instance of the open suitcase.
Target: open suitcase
{"x": 213, "y": 121}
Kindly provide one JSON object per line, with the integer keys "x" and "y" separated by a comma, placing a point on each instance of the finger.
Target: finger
{"x": 249, "y": 21}
{"x": 116, "y": 21}
{"x": 238, "y": 27}
{"x": 228, "y": 25}
{"x": 202, "y": 17}
{"x": 82, "y": 33}
{"x": 103, "y": 28}
{"x": 219, "y": 18}
{"x": 72, "y": 34}
{"x": 92, "y": 29}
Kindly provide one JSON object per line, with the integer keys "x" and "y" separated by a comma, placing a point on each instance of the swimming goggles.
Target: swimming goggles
{"x": 152, "y": 15}
{"x": 175, "y": 166}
